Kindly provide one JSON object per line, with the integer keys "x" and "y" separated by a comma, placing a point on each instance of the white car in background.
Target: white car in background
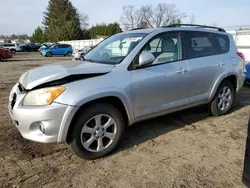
{"x": 12, "y": 47}
{"x": 81, "y": 52}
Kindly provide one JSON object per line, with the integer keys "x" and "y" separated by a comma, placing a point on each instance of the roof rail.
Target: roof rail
{"x": 195, "y": 25}
{"x": 135, "y": 29}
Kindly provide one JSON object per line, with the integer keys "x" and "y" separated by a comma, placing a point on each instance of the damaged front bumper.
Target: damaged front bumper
{"x": 45, "y": 124}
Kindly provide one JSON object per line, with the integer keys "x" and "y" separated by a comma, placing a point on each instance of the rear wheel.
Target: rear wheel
{"x": 97, "y": 132}
{"x": 69, "y": 54}
{"x": 49, "y": 54}
{"x": 1, "y": 58}
{"x": 223, "y": 99}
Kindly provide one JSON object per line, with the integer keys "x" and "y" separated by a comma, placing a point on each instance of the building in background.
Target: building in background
{"x": 242, "y": 39}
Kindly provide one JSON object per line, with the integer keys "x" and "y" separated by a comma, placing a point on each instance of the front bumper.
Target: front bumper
{"x": 40, "y": 124}
{"x": 43, "y": 53}
{"x": 77, "y": 56}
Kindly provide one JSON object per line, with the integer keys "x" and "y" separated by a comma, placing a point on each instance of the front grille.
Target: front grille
{"x": 13, "y": 102}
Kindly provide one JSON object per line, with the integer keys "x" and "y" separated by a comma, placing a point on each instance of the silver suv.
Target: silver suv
{"x": 149, "y": 73}
{"x": 12, "y": 47}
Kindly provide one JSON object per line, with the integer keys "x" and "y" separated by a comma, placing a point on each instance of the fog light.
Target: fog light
{"x": 41, "y": 127}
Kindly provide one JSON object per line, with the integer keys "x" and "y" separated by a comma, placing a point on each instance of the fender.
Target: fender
{"x": 91, "y": 96}
{"x": 217, "y": 84}
{"x": 108, "y": 92}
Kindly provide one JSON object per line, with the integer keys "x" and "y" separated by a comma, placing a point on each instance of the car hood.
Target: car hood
{"x": 48, "y": 73}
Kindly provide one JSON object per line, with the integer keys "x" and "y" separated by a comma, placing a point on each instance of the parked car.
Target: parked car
{"x": 246, "y": 170}
{"x": 58, "y": 49}
{"x": 5, "y": 54}
{"x": 247, "y": 70}
{"x": 30, "y": 47}
{"x": 12, "y": 47}
{"x": 44, "y": 46}
{"x": 81, "y": 52}
{"x": 149, "y": 73}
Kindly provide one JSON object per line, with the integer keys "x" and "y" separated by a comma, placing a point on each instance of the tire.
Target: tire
{"x": 69, "y": 54}
{"x": 49, "y": 54}
{"x": 1, "y": 58}
{"x": 216, "y": 105}
{"x": 77, "y": 138}
{"x": 13, "y": 51}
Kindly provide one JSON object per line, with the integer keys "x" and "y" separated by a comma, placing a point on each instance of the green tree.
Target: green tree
{"x": 104, "y": 30}
{"x": 177, "y": 21}
{"x": 38, "y": 35}
{"x": 62, "y": 21}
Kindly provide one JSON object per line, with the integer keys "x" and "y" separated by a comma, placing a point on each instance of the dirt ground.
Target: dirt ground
{"x": 184, "y": 149}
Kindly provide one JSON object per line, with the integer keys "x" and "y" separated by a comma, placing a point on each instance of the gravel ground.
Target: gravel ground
{"x": 185, "y": 149}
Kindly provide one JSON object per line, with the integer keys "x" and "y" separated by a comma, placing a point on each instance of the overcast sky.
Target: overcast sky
{"x": 23, "y": 16}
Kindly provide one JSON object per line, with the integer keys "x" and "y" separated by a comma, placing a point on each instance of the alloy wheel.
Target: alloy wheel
{"x": 224, "y": 98}
{"x": 98, "y": 133}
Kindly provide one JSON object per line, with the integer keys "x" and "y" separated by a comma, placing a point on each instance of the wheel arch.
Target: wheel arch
{"x": 116, "y": 101}
{"x": 230, "y": 77}
{"x": 49, "y": 52}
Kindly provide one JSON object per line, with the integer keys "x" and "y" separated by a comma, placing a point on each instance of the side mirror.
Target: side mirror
{"x": 146, "y": 58}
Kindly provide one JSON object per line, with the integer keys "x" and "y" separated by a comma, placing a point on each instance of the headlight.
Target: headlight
{"x": 42, "y": 97}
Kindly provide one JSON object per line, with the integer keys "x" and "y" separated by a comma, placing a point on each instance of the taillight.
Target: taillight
{"x": 242, "y": 57}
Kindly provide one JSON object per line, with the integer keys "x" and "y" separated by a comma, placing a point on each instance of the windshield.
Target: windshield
{"x": 115, "y": 48}
{"x": 52, "y": 46}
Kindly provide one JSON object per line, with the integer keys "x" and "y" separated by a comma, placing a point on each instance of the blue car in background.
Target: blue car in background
{"x": 57, "y": 50}
{"x": 247, "y": 66}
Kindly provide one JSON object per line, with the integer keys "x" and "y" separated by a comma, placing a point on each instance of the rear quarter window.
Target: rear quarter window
{"x": 198, "y": 44}
{"x": 223, "y": 43}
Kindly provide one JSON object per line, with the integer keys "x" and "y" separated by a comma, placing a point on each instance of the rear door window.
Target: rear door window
{"x": 223, "y": 43}
{"x": 64, "y": 46}
{"x": 198, "y": 44}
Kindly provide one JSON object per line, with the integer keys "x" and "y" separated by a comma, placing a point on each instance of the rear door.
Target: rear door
{"x": 204, "y": 65}
{"x": 227, "y": 61}
{"x": 66, "y": 49}
{"x": 61, "y": 49}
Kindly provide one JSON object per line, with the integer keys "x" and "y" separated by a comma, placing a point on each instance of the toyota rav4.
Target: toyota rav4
{"x": 148, "y": 73}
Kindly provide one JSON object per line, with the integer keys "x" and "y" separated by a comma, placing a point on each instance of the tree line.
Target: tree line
{"x": 62, "y": 21}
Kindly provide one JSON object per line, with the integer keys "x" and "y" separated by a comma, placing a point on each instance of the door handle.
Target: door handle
{"x": 181, "y": 71}
{"x": 220, "y": 64}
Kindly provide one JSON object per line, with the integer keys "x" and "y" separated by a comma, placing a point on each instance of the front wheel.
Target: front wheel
{"x": 223, "y": 99}
{"x": 49, "y": 54}
{"x": 1, "y": 58}
{"x": 13, "y": 51}
{"x": 97, "y": 132}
